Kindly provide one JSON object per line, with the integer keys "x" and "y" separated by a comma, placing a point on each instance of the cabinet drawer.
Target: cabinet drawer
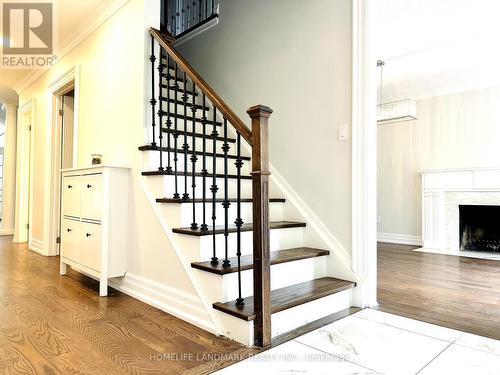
{"x": 70, "y": 239}
{"x": 90, "y": 245}
{"x": 91, "y": 186}
{"x": 71, "y": 196}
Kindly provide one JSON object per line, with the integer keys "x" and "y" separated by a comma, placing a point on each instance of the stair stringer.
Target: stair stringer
{"x": 217, "y": 327}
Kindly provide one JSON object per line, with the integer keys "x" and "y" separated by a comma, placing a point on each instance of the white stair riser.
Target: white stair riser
{"x": 285, "y": 321}
{"x": 153, "y": 158}
{"x": 163, "y": 187}
{"x": 282, "y": 275}
{"x": 199, "y": 142}
{"x": 225, "y": 288}
{"x": 169, "y": 187}
{"x": 186, "y": 214}
{"x": 199, "y": 249}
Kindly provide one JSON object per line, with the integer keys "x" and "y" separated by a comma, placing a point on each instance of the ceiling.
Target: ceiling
{"x": 71, "y": 17}
{"x": 437, "y": 47}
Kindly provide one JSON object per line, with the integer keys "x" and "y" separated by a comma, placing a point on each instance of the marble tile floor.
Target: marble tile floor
{"x": 374, "y": 342}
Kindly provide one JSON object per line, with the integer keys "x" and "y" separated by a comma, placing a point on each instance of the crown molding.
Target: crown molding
{"x": 98, "y": 17}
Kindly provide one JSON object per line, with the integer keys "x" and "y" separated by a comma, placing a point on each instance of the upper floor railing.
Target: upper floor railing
{"x": 179, "y": 17}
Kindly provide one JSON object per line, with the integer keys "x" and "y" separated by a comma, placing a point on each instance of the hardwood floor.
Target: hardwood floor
{"x": 455, "y": 292}
{"x": 58, "y": 325}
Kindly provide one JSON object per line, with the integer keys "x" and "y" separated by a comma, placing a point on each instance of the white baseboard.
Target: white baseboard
{"x": 37, "y": 246}
{"x": 173, "y": 301}
{"x": 6, "y": 232}
{"x": 402, "y": 239}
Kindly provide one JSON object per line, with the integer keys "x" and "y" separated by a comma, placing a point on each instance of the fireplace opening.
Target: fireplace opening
{"x": 480, "y": 228}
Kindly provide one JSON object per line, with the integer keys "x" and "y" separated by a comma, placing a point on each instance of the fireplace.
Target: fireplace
{"x": 479, "y": 228}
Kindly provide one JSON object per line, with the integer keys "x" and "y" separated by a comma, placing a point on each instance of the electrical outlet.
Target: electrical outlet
{"x": 343, "y": 132}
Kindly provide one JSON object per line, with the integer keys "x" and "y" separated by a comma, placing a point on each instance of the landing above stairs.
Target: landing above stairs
{"x": 288, "y": 297}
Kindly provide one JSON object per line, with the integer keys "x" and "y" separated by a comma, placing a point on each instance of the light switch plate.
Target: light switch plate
{"x": 343, "y": 133}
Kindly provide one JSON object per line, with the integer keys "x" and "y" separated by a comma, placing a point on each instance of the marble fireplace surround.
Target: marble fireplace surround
{"x": 443, "y": 191}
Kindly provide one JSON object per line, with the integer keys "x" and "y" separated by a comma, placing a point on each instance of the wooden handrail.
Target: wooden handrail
{"x": 165, "y": 41}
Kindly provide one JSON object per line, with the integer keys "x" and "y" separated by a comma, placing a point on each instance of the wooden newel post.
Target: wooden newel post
{"x": 261, "y": 253}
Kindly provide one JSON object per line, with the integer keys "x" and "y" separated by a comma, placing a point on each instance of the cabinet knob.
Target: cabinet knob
{"x": 70, "y": 186}
{"x": 89, "y": 186}
{"x": 88, "y": 234}
{"x": 69, "y": 229}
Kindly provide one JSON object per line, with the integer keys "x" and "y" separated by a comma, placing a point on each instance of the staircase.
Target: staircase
{"x": 209, "y": 172}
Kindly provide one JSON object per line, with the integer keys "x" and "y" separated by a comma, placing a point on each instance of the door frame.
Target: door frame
{"x": 364, "y": 154}
{"x": 66, "y": 82}
{"x": 24, "y": 174}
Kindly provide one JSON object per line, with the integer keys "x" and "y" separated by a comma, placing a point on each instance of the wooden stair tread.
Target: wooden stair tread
{"x": 180, "y": 102}
{"x": 180, "y": 116}
{"x": 277, "y": 257}
{"x": 247, "y": 227}
{"x": 217, "y": 200}
{"x": 189, "y": 174}
{"x": 288, "y": 297}
{"x": 208, "y": 137}
{"x": 190, "y": 152}
{"x": 179, "y": 89}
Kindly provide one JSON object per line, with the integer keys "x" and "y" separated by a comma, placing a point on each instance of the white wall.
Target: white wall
{"x": 112, "y": 109}
{"x": 294, "y": 56}
{"x": 459, "y": 130}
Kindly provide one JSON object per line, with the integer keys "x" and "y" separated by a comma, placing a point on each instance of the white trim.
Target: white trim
{"x": 37, "y": 246}
{"x": 94, "y": 21}
{"x": 174, "y": 301}
{"x": 364, "y": 156}
{"x": 24, "y": 172}
{"x": 313, "y": 221}
{"x": 69, "y": 80}
{"x": 402, "y": 239}
{"x": 216, "y": 324}
{"x": 6, "y": 232}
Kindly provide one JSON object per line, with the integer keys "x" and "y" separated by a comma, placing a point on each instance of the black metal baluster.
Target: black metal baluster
{"x": 185, "y": 146}
{"x": 152, "y": 58}
{"x": 204, "y": 172}
{"x": 199, "y": 10}
{"x": 176, "y": 135}
{"x": 160, "y": 107}
{"x": 226, "y": 263}
{"x": 194, "y": 158}
{"x": 240, "y": 302}
{"x": 169, "y": 118}
{"x": 213, "y": 7}
{"x": 214, "y": 187}
{"x": 206, "y": 8}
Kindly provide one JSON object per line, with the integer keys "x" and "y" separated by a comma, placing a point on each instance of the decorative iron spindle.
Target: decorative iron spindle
{"x": 206, "y": 8}
{"x": 160, "y": 107}
{"x": 185, "y": 146}
{"x": 214, "y": 187}
{"x": 240, "y": 302}
{"x": 225, "y": 147}
{"x": 169, "y": 118}
{"x": 152, "y": 58}
{"x": 176, "y": 134}
{"x": 204, "y": 172}
{"x": 194, "y": 158}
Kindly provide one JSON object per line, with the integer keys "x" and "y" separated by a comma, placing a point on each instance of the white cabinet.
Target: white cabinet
{"x": 94, "y": 222}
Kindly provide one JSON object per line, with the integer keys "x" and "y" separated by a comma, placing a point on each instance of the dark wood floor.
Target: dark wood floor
{"x": 59, "y": 325}
{"x": 455, "y": 292}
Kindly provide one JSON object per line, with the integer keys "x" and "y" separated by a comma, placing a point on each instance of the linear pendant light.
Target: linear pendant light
{"x": 395, "y": 111}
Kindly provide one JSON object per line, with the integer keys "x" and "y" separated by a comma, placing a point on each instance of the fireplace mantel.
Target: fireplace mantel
{"x": 443, "y": 190}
